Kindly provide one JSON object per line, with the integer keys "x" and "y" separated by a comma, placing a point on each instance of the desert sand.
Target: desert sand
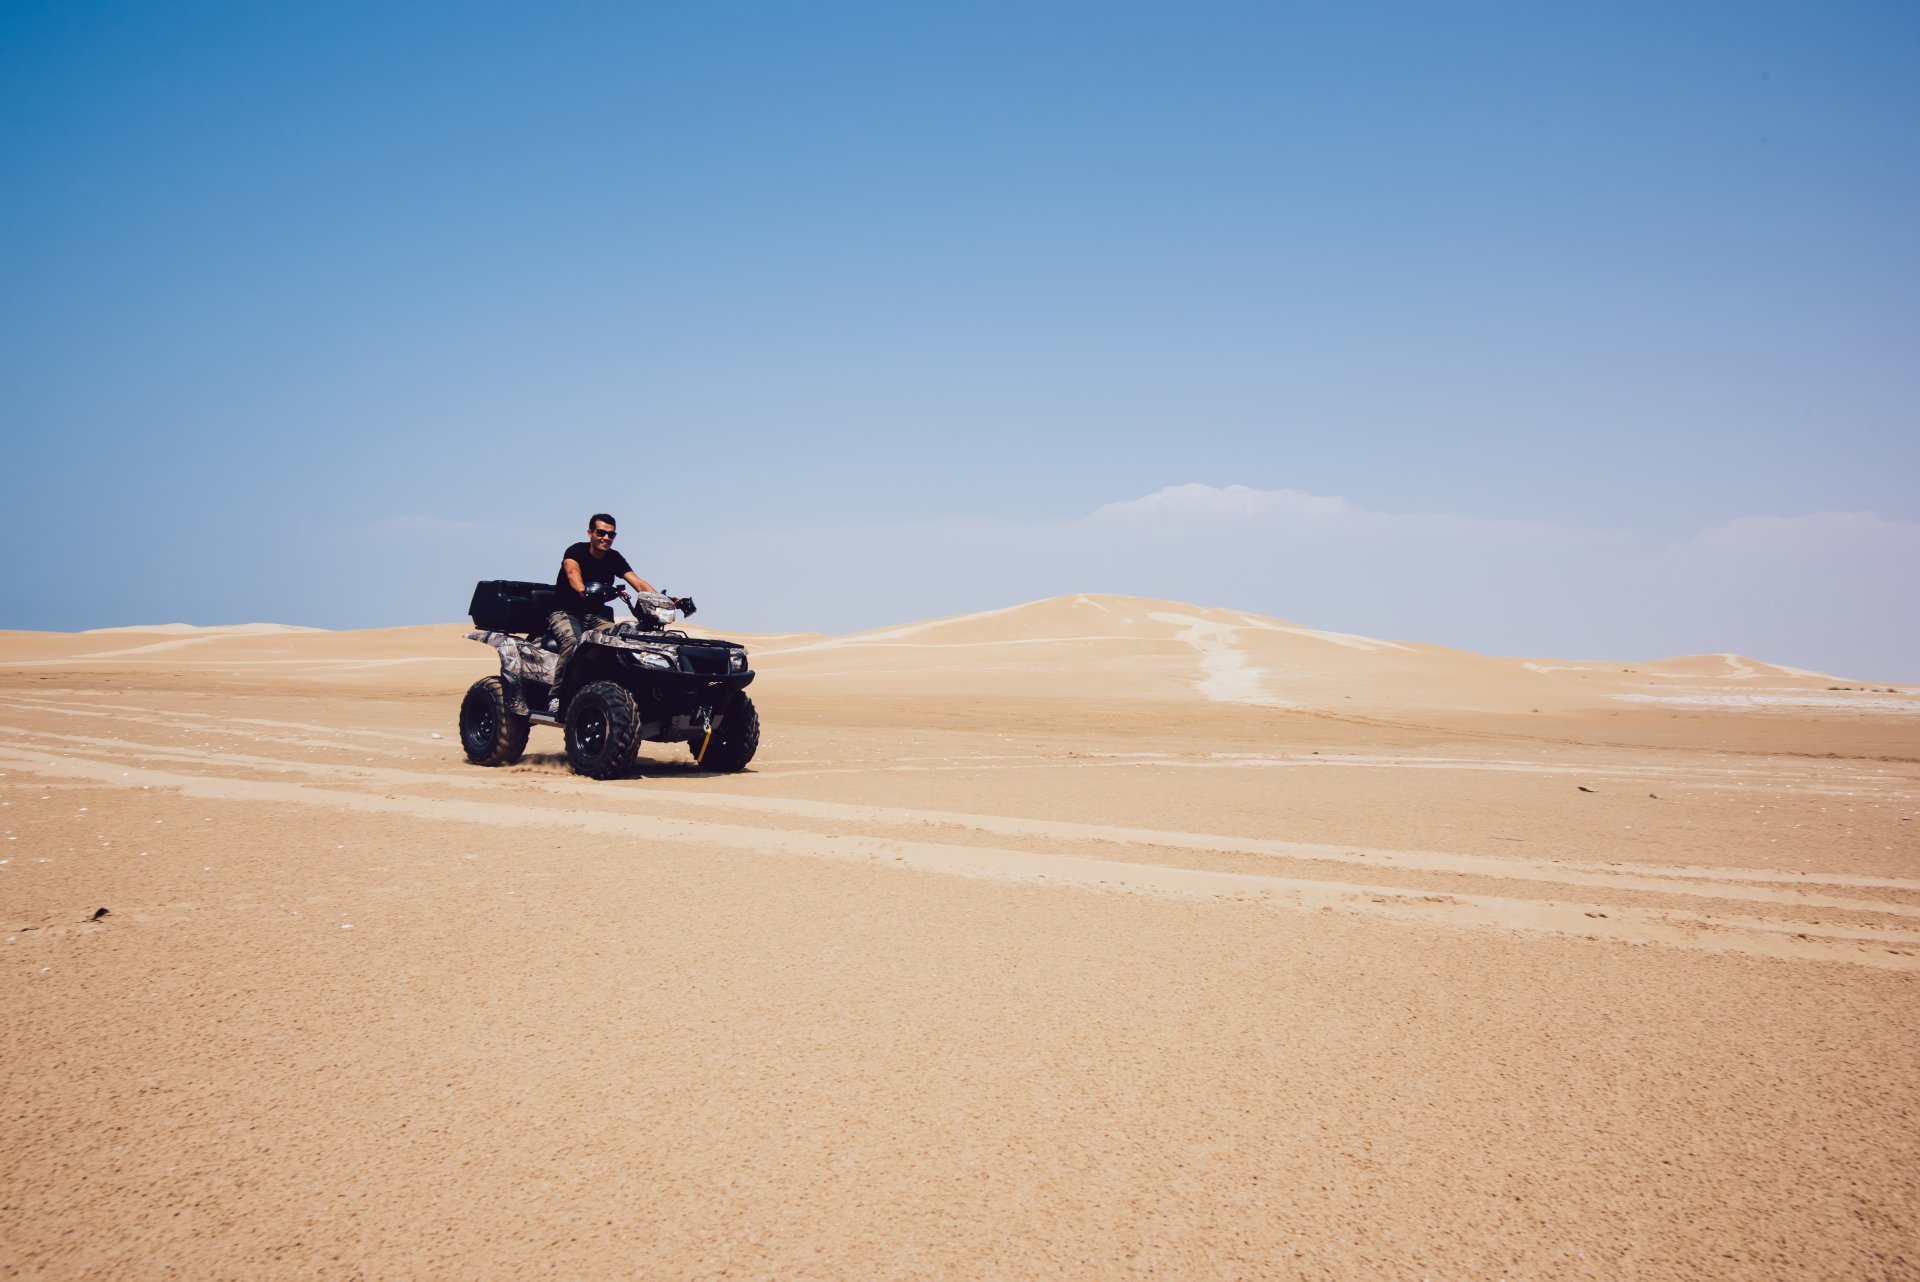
{"x": 1091, "y": 938}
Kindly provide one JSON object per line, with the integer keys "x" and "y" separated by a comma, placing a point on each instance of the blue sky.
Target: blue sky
{"x": 1577, "y": 330}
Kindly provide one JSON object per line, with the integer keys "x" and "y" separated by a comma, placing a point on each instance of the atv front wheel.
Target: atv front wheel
{"x": 490, "y": 732}
{"x": 735, "y": 739}
{"x": 603, "y": 730}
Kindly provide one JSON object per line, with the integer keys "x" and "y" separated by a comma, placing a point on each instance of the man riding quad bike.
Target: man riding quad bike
{"x": 638, "y": 680}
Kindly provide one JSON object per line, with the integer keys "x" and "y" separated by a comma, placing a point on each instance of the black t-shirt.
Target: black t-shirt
{"x": 609, "y": 569}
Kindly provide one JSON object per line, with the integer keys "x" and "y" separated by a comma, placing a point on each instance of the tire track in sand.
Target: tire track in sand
{"x": 1882, "y": 948}
{"x": 1720, "y": 883}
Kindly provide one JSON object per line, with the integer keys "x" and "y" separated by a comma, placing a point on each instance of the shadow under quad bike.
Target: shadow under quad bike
{"x": 637, "y": 680}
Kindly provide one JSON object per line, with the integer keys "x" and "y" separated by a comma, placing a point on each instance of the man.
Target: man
{"x": 588, "y": 573}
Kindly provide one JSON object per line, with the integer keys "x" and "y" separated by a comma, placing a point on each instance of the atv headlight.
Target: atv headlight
{"x": 737, "y": 662}
{"x": 658, "y": 661}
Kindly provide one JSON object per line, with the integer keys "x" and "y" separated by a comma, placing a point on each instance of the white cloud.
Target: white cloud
{"x": 1816, "y": 541}
{"x": 1196, "y": 509}
{"x": 1825, "y": 583}
{"x": 1207, "y": 502}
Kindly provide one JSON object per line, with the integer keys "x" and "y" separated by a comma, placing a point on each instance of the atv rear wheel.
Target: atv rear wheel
{"x": 490, "y": 732}
{"x": 603, "y": 730}
{"x": 735, "y": 739}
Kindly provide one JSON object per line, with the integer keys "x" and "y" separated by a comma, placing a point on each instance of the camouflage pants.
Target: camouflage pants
{"x": 567, "y": 629}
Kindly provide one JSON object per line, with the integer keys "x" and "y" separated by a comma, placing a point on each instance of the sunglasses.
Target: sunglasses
{"x": 602, "y": 534}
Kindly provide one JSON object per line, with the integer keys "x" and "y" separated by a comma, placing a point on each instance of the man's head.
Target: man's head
{"x": 600, "y": 530}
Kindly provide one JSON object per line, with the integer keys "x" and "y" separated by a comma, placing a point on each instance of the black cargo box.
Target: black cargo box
{"x": 502, "y": 605}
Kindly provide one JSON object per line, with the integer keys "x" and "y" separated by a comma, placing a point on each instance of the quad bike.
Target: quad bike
{"x": 636, "y": 680}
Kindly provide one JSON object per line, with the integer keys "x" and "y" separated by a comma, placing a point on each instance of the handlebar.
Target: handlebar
{"x": 654, "y": 601}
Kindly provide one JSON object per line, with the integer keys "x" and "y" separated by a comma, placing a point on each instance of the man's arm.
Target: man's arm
{"x": 571, "y": 568}
{"x": 639, "y": 584}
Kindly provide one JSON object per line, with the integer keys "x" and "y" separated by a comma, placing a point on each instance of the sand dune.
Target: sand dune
{"x": 1730, "y": 667}
{"x": 1131, "y": 648}
{"x": 1089, "y": 938}
{"x": 202, "y": 629}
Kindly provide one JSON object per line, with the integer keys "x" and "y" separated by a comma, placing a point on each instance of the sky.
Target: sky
{"x": 1569, "y": 330}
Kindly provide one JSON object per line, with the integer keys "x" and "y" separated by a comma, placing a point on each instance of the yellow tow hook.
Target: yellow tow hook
{"x": 706, "y": 724}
